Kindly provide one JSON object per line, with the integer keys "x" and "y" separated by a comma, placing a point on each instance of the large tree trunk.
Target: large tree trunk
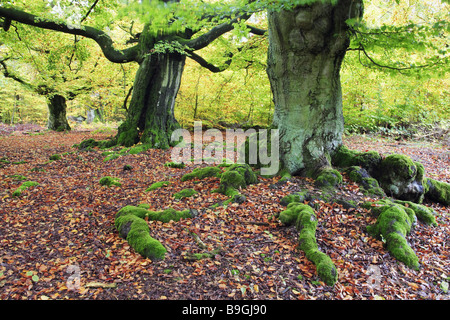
{"x": 306, "y": 49}
{"x": 150, "y": 117}
{"x": 57, "y": 119}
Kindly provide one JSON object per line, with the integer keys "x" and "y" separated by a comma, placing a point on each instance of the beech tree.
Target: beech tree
{"x": 307, "y": 45}
{"x": 160, "y": 48}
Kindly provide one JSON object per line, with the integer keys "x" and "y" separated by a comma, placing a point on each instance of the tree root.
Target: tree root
{"x": 305, "y": 221}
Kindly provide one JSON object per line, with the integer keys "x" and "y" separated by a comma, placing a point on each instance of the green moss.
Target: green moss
{"x": 420, "y": 171}
{"x": 328, "y": 178}
{"x": 128, "y": 136}
{"x": 437, "y": 191}
{"x": 202, "y": 173}
{"x": 175, "y": 165}
{"x": 393, "y": 224}
{"x": 369, "y": 185}
{"x": 369, "y": 160}
{"x": 144, "y": 205}
{"x": 55, "y": 157}
{"x": 299, "y": 196}
{"x": 233, "y": 180}
{"x": 185, "y": 193}
{"x": 138, "y": 149}
{"x": 109, "y": 181}
{"x": 423, "y": 213}
{"x": 139, "y": 238}
{"x": 157, "y": 185}
{"x": 169, "y": 215}
{"x": 23, "y": 186}
{"x": 344, "y": 157}
{"x": 111, "y": 156}
{"x": 305, "y": 221}
{"x": 285, "y": 175}
{"x": 139, "y": 212}
{"x": 131, "y": 225}
{"x": 87, "y": 144}
{"x": 307, "y": 240}
{"x": 17, "y": 177}
{"x": 398, "y": 166}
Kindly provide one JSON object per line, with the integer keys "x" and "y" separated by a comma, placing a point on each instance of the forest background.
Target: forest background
{"x": 376, "y": 98}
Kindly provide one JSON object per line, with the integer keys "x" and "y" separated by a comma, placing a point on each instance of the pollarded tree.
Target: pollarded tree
{"x": 171, "y": 31}
{"x": 307, "y": 44}
{"x": 53, "y": 66}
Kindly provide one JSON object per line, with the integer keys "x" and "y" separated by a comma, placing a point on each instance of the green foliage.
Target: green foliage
{"x": 408, "y": 42}
{"x": 397, "y": 35}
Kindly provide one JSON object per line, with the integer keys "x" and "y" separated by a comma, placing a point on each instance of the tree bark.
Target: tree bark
{"x": 150, "y": 117}
{"x": 306, "y": 48}
{"x": 57, "y": 119}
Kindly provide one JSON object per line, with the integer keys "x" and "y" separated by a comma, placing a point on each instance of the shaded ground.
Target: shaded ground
{"x": 58, "y": 239}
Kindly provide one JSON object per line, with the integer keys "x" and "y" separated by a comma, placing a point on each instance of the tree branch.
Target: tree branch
{"x": 208, "y": 65}
{"x": 257, "y": 31}
{"x": 102, "y": 39}
{"x": 89, "y": 11}
{"x": 205, "y": 39}
{"x": 362, "y": 49}
{"x": 10, "y": 75}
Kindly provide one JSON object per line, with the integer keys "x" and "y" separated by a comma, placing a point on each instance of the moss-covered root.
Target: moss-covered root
{"x": 344, "y": 157}
{"x": 299, "y": 196}
{"x": 423, "y": 213}
{"x": 131, "y": 226}
{"x": 23, "y": 186}
{"x": 110, "y": 181}
{"x": 185, "y": 193}
{"x": 235, "y": 177}
{"x": 157, "y": 185}
{"x": 392, "y": 226}
{"x": 437, "y": 191}
{"x": 305, "y": 221}
{"x": 169, "y": 214}
{"x": 369, "y": 185}
{"x": 328, "y": 178}
{"x": 202, "y": 173}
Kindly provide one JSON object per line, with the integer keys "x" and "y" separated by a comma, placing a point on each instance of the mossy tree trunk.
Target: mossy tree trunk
{"x": 150, "y": 117}
{"x": 57, "y": 119}
{"x": 306, "y": 49}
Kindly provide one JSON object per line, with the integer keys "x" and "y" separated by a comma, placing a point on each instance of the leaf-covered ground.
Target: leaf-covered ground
{"x": 58, "y": 241}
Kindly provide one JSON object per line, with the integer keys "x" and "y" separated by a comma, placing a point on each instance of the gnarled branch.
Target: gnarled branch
{"x": 102, "y": 39}
{"x": 209, "y": 65}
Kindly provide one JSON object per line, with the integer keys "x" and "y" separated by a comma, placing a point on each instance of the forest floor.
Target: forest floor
{"x": 58, "y": 240}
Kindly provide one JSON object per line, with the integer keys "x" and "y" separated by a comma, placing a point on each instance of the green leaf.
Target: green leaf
{"x": 35, "y": 278}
